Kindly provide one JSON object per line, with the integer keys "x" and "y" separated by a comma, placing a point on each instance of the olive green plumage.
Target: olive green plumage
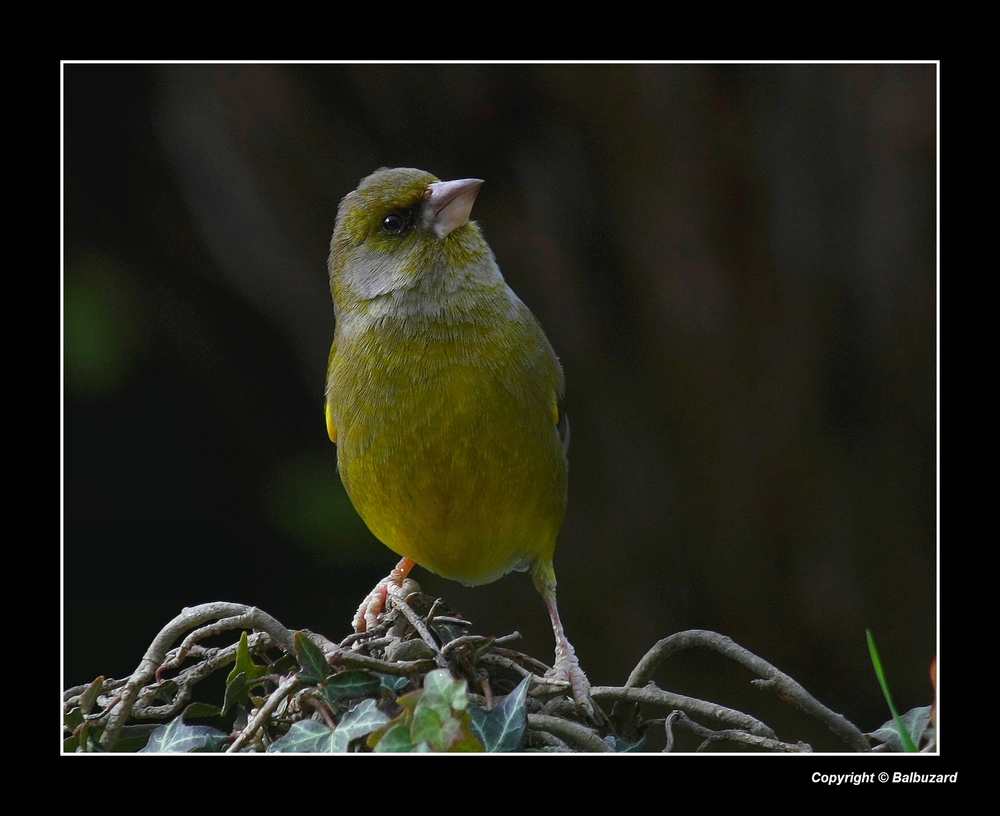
{"x": 443, "y": 392}
{"x": 443, "y": 396}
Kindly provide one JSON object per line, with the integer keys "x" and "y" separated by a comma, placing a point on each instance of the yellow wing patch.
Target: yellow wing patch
{"x": 331, "y": 427}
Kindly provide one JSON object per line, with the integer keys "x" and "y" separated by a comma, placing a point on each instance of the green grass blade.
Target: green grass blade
{"x": 904, "y": 735}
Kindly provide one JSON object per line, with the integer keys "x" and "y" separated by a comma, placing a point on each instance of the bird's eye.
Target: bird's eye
{"x": 395, "y": 223}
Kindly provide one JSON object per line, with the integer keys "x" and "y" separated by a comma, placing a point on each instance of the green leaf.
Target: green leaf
{"x": 433, "y": 719}
{"x": 73, "y": 719}
{"x": 427, "y": 726}
{"x": 285, "y": 664}
{"x": 443, "y": 694}
{"x": 79, "y": 729}
{"x": 915, "y": 722}
{"x": 904, "y": 736}
{"x": 396, "y": 739}
{"x": 353, "y": 684}
{"x": 394, "y": 684}
{"x": 312, "y": 736}
{"x": 409, "y": 701}
{"x": 362, "y": 720}
{"x": 237, "y": 690}
{"x": 134, "y": 738}
{"x": 244, "y": 663}
{"x": 503, "y": 728}
{"x": 178, "y": 737}
{"x": 311, "y": 659}
{"x": 449, "y": 630}
{"x": 305, "y": 737}
{"x": 466, "y": 741}
{"x": 440, "y": 718}
{"x": 89, "y": 697}
{"x": 622, "y": 747}
{"x": 201, "y": 711}
{"x": 410, "y": 650}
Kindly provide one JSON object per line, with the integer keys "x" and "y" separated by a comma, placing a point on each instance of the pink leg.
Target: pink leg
{"x": 371, "y": 607}
{"x": 567, "y": 666}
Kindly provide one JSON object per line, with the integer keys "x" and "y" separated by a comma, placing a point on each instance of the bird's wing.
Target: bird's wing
{"x": 562, "y": 425}
{"x": 331, "y": 428}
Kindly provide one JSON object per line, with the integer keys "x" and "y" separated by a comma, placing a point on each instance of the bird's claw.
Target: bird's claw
{"x": 395, "y": 583}
{"x": 567, "y": 670}
{"x": 372, "y": 607}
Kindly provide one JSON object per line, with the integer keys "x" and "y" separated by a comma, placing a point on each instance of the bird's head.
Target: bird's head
{"x": 404, "y": 233}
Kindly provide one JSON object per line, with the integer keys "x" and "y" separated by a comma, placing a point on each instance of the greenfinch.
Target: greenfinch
{"x": 443, "y": 396}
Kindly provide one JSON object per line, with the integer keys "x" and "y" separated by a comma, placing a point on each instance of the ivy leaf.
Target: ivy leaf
{"x": 201, "y": 711}
{"x": 393, "y": 684}
{"x": 178, "y": 737}
{"x": 314, "y": 737}
{"x": 353, "y": 684}
{"x": 73, "y": 719}
{"x": 244, "y": 663}
{"x": 360, "y": 721}
{"x": 435, "y": 718}
{"x": 915, "y": 721}
{"x": 312, "y": 661}
{"x": 622, "y": 747}
{"x": 133, "y": 738}
{"x": 237, "y": 689}
{"x": 440, "y": 719}
{"x": 428, "y": 726}
{"x": 89, "y": 697}
{"x": 443, "y": 692}
{"x": 394, "y": 740}
{"x": 503, "y": 728}
{"x": 305, "y": 737}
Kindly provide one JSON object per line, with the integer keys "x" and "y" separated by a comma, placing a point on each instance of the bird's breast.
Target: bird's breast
{"x": 447, "y": 442}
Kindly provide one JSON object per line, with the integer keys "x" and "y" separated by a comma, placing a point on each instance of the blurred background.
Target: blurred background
{"x": 735, "y": 263}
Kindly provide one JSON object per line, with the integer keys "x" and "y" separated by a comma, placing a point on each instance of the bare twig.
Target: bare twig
{"x": 527, "y": 661}
{"x": 401, "y": 668}
{"x": 418, "y": 624}
{"x": 493, "y": 659}
{"x": 550, "y": 742}
{"x": 279, "y": 695}
{"x": 212, "y": 660}
{"x": 771, "y": 678}
{"x": 726, "y": 735}
{"x": 553, "y": 723}
{"x": 465, "y": 640}
{"x": 657, "y": 696}
{"x": 583, "y": 738}
{"x": 155, "y": 654}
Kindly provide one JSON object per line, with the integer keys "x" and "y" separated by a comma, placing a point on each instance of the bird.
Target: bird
{"x": 444, "y": 397}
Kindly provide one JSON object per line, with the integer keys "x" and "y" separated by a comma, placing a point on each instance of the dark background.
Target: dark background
{"x": 736, "y": 265}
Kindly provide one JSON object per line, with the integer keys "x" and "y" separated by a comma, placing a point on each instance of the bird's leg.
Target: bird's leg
{"x": 371, "y": 607}
{"x": 567, "y": 667}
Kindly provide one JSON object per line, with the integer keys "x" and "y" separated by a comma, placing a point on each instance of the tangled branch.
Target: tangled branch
{"x": 279, "y": 678}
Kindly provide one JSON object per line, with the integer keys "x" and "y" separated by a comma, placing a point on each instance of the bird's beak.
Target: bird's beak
{"x": 449, "y": 204}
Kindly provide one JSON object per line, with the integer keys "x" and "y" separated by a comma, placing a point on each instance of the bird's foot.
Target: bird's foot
{"x": 366, "y": 617}
{"x": 373, "y": 605}
{"x": 567, "y": 669}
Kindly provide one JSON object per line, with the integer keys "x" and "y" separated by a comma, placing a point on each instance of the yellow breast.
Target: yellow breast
{"x": 447, "y": 440}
